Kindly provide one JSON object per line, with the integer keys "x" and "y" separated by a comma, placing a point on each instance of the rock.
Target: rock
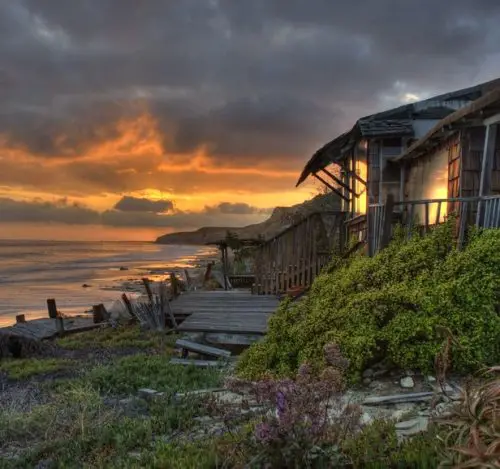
{"x": 123, "y": 268}
{"x": 127, "y": 401}
{"x": 368, "y": 373}
{"x": 45, "y": 464}
{"x": 430, "y": 379}
{"x": 380, "y": 373}
{"x": 146, "y": 393}
{"x": 411, "y": 427}
{"x": 443, "y": 409}
{"x": 366, "y": 419}
{"x": 407, "y": 382}
{"x": 367, "y": 381}
{"x": 86, "y": 285}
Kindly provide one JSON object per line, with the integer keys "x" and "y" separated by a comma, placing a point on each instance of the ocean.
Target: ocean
{"x": 33, "y": 271}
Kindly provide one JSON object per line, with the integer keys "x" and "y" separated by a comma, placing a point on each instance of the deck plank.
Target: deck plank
{"x": 231, "y": 312}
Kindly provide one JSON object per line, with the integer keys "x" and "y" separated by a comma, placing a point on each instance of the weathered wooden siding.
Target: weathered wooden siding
{"x": 472, "y": 150}
{"x": 430, "y": 177}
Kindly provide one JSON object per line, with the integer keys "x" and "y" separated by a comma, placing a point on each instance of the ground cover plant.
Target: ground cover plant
{"x": 18, "y": 369}
{"x": 115, "y": 338}
{"x": 393, "y": 306}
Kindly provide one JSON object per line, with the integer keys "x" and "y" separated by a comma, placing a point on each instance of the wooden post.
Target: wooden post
{"x": 165, "y": 308}
{"x": 387, "y": 228}
{"x": 147, "y": 286}
{"x": 128, "y": 305}
{"x": 99, "y": 313}
{"x": 486, "y": 168}
{"x": 52, "y": 307}
{"x": 20, "y": 319}
{"x": 59, "y": 325}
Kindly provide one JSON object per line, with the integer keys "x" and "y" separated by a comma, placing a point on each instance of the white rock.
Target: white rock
{"x": 407, "y": 382}
{"x": 147, "y": 393}
{"x": 431, "y": 379}
{"x": 365, "y": 419}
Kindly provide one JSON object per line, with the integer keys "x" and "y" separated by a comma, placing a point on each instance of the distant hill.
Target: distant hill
{"x": 280, "y": 219}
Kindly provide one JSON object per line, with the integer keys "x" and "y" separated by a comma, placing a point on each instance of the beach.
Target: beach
{"x": 80, "y": 274}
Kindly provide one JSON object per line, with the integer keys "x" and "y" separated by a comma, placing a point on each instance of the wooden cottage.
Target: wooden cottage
{"x": 365, "y": 164}
{"x": 455, "y": 165}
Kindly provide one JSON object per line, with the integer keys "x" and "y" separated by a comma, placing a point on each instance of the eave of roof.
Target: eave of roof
{"x": 470, "y": 115}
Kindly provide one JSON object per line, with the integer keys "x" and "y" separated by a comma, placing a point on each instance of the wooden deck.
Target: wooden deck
{"x": 229, "y": 312}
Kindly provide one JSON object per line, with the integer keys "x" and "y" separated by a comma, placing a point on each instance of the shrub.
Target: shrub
{"x": 473, "y": 438}
{"x": 392, "y": 306}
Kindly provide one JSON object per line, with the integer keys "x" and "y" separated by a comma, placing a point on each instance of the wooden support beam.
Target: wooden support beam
{"x": 339, "y": 182}
{"x": 327, "y": 184}
{"x": 353, "y": 174}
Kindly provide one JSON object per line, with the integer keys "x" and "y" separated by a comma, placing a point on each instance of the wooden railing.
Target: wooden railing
{"x": 421, "y": 215}
{"x": 295, "y": 257}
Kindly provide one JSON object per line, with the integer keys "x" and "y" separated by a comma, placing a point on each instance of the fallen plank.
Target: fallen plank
{"x": 199, "y": 363}
{"x": 399, "y": 398}
{"x": 202, "y": 349}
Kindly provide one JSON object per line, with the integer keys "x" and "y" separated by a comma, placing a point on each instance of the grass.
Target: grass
{"x": 121, "y": 337}
{"x": 79, "y": 430}
{"x": 28, "y": 367}
{"x": 128, "y": 374}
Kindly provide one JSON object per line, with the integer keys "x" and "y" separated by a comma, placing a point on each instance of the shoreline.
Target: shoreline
{"x": 109, "y": 291}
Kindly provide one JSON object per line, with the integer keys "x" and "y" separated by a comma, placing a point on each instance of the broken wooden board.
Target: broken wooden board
{"x": 197, "y": 363}
{"x": 399, "y": 398}
{"x": 202, "y": 349}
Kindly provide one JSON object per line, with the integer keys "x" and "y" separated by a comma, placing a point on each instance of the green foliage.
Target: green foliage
{"x": 122, "y": 337}
{"x": 131, "y": 373}
{"x": 393, "y": 306}
{"x": 377, "y": 447}
{"x": 23, "y": 368}
{"x": 79, "y": 430}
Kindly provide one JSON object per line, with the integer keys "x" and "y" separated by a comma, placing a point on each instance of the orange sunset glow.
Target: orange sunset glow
{"x": 129, "y": 158}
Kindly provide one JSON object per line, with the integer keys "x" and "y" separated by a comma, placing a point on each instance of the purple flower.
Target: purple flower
{"x": 263, "y": 432}
{"x": 280, "y": 403}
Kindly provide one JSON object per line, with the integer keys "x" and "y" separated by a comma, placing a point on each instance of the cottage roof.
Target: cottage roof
{"x": 468, "y": 116}
{"x": 394, "y": 122}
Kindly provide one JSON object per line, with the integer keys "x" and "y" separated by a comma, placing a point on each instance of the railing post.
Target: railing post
{"x": 387, "y": 227}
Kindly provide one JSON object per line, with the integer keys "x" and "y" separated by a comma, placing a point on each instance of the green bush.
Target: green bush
{"x": 393, "y": 306}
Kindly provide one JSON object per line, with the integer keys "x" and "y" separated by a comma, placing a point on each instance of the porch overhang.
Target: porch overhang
{"x": 482, "y": 111}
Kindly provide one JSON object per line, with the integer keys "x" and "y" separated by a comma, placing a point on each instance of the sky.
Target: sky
{"x": 127, "y": 119}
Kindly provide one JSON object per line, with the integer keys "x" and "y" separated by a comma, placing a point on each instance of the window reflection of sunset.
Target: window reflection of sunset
{"x": 359, "y": 187}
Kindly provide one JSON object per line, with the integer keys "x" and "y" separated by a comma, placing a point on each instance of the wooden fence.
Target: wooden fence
{"x": 295, "y": 257}
{"x": 421, "y": 215}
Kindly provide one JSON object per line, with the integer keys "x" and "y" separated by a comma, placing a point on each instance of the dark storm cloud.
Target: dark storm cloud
{"x": 61, "y": 211}
{"x": 141, "y": 204}
{"x": 247, "y": 78}
{"x": 38, "y": 211}
{"x": 235, "y": 209}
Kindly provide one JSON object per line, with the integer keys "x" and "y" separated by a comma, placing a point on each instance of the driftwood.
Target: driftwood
{"x": 202, "y": 349}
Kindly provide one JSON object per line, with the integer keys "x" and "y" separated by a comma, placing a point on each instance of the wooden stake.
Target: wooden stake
{"x": 147, "y": 286}
{"x": 59, "y": 325}
{"x": 20, "y": 319}
{"x": 128, "y": 305}
{"x": 100, "y": 314}
{"x": 51, "y": 306}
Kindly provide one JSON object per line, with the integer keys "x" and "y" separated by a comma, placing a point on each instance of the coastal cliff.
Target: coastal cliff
{"x": 281, "y": 218}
